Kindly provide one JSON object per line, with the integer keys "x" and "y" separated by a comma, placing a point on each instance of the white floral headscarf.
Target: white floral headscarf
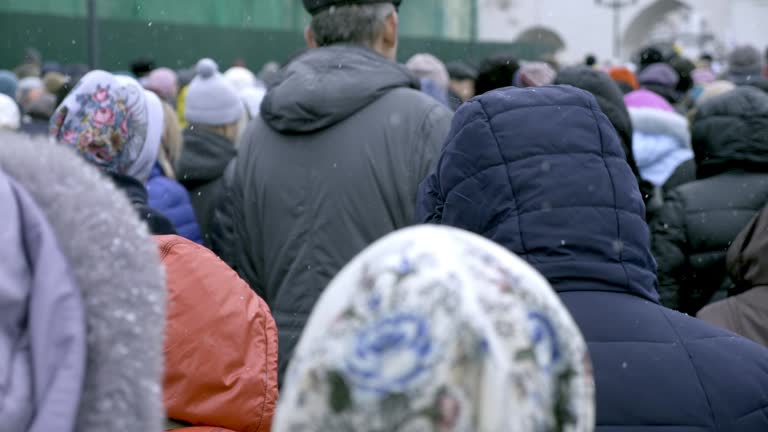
{"x": 112, "y": 123}
{"x": 437, "y": 329}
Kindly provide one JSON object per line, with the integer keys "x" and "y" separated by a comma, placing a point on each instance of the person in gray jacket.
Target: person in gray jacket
{"x": 334, "y": 161}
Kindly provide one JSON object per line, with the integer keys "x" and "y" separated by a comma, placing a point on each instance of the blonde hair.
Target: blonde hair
{"x": 171, "y": 143}
{"x": 229, "y": 131}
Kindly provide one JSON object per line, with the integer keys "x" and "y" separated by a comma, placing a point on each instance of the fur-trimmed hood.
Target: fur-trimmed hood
{"x": 657, "y": 122}
{"x": 116, "y": 266}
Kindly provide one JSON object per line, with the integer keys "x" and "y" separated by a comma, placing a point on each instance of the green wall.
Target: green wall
{"x": 64, "y": 39}
{"x": 423, "y": 18}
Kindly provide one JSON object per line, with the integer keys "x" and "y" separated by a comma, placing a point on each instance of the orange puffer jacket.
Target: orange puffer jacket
{"x": 220, "y": 347}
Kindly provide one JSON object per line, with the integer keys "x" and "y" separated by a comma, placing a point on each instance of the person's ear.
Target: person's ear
{"x": 309, "y": 37}
{"x": 390, "y": 34}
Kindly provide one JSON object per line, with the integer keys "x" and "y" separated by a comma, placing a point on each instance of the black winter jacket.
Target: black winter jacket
{"x": 700, "y": 219}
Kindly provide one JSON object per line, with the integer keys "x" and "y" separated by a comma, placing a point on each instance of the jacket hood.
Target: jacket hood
{"x": 198, "y": 385}
{"x": 729, "y": 133}
{"x": 656, "y": 122}
{"x": 204, "y": 157}
{"x": 116, "y": 266}
{"x": 562, "y": 198}
{"x": 747, "y": 257}
{"x": 326, "y": 85}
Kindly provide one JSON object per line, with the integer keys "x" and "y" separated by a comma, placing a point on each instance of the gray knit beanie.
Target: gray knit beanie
{"x": 211, "y": 99}
{"x": 744, "y": 64}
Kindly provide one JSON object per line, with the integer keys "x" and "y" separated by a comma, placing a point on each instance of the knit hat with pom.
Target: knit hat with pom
{"x": 211, "y": 99}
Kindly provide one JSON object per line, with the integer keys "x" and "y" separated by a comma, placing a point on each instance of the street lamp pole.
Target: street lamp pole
{"x": 617, "y": 6}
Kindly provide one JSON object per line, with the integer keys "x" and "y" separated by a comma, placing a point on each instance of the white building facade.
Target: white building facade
{"x": 587, "y": 26}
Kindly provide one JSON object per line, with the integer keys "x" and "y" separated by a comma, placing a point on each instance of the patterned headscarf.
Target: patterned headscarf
{"x": 437, "y": 329}
{"x": 109, "y": 121}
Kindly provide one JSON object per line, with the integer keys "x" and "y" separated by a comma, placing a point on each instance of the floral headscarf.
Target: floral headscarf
{"x": 106, "y": 119}
{"x": 437, "y": 329}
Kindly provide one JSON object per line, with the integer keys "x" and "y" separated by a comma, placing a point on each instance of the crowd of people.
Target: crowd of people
{"x": 346, "y": 243}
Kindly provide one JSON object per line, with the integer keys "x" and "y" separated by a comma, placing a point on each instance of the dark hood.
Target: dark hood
{"x": 204, "y": 158}
{"x": 729, "y": 133}
{"x": 563, "y": 198}
{"x": 748, "y": 255}
{"x": 326, "y": 85}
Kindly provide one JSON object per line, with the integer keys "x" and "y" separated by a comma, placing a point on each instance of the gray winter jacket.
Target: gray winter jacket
{"x": 116, "y": 267}
{"x": 332, "y": 165}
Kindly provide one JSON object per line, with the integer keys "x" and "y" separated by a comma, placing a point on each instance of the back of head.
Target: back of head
{"x": 534, "y": 74}
{"x": 10, "y": 117}
{"x": 590, "y": 60}
{"x": 239, "y": 339}
{"x": 496, "y": 72}
{"x": 8, "y": 83}
{"x": 649, "y": 56}
{"x": 433, "y": 329}
{"x": 240, "y": 78}
{"x": 357, "y": 22}
{"x": 745, "y": 65}
{"x": 538, "y": 190}
{"x": 684, "y": 68}
{"x": 622, "y": 74}
{"x": 112, "y": 122}
{"x": 729, "y": 133}
{"x": 610, "y": 98}
{"x": 120, "y": 280}
{"x": 659, "y": 74}
{"x": 142, "y": 67}
{"x": 164, "y": 82}
{"x": 53, "y": 82}
{"x": 211, "y": 100}
{"x": 427, "y": 66}
{"x": 459, "y": 71}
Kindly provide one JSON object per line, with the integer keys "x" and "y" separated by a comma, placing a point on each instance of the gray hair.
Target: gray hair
{"x": 354, "y": 24}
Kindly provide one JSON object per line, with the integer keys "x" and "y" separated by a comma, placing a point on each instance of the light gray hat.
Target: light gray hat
{"x": 211, "y": 99}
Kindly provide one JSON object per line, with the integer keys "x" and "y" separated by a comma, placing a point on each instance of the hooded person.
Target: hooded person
{"x": 700, "y": 219}
{"x": 88, "y": 302}
{"x": 8, "y": 84}
{"x": 354, "y": 136}
{"x": 564, "y": 199}
{"x": 745, "y": 312}
{"x": 10, "y": 117}
{"x": 661, "y": 79}
{"x": 213, "y": 111}
{"x": 165, "y": 194}
{"x": 437, "y": 329}
{"x": 220, "y": 362}
{"x": 114, "y": 124}
{"x": 164, "y": 83}
{"x": 661, "y": 140}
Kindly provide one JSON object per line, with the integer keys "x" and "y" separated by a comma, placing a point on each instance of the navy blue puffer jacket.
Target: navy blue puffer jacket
{"x": 541, "y": 171}
{"x": 170, "y": 198}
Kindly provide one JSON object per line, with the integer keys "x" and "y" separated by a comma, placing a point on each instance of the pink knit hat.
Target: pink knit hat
{"x": 647, "y": 99}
